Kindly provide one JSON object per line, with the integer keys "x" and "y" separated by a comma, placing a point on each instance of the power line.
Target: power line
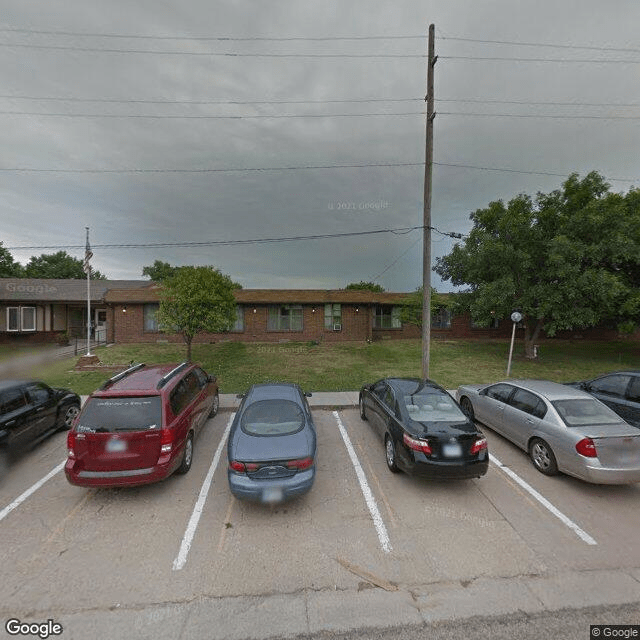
{"x": 206, "y": 117}
{"x": 209, "y": 102}
{"x": 137, "y": 36}
{"x": 209, "y": 38}
{"x": 209, "y": 53}
{"x": 116, "y": 116}
{"x": 210, "y": 243}
{"x": 542, "y": 44}
{"x": 328, "y": 101}
{"x": 563, "y": 60}
{"x": 296, "y": 168}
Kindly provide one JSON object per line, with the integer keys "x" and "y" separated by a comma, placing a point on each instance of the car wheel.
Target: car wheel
{"x": 542, "y": 457}
{"x": 390, "y": 454}
{"x": 215, "y": 406}
{"x": 363, "y": 413}
{"x": 467, "y": 407}
{"x": 187, "y": 456}
{"x": 70, "y": 415}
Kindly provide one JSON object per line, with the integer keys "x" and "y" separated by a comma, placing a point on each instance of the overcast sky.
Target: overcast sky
{"x": 112, "y": 117}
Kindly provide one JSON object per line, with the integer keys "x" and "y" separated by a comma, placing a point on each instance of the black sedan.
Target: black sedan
{"x": 619, "y": 390}
{"x": 29, "y": 412}
{"x": 272, "y": 444}
{"x": 424, "y": 430}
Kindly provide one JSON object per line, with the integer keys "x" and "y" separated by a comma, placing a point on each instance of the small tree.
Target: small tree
{"x": 365, "y": 286}
{"x": 196, "y": 300}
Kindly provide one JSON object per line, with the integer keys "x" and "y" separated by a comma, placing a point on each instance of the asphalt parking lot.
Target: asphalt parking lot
{"x": 364, "y": 548}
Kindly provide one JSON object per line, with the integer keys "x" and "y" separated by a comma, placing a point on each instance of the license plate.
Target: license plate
{"x": 272, "y": 494}
{"x": 115, "y": 445}
{"x": 451, "y": 450}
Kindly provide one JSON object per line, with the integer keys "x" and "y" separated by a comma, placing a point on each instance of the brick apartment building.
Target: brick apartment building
{"x": 124, "y": 311}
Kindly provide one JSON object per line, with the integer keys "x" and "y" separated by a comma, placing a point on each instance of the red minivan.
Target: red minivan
{"x": 140, "y": 426}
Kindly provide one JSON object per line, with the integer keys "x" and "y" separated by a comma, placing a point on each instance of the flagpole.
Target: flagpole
{"x": 87, "y": 268}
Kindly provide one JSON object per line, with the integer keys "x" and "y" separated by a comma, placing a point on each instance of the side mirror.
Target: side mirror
{"x": 213, "y": 379}
{"x": 307, "y": 394}
{"x": 240, "y": 396}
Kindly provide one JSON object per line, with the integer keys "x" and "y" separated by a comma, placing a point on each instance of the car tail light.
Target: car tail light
{"x": 416, "y": 444}
{"x": 301, "y": 464}
{"x": 587, "y": 448}
{"x": 243, "y": 467}
{"x": 478, "y": 446}
{"x": 71, "y": 443}
{"x": 166, "y": 441}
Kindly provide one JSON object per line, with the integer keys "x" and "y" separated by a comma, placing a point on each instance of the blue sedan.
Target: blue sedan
{"x": 272, "y": 444}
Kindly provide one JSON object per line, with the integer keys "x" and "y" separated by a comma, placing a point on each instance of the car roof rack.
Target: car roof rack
{"x": 172, "y": 373}
{"x": 121, "y": 375}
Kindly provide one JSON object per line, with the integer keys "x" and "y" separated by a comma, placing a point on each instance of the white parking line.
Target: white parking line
{"x": 32, "y": 489}
{"x": 187, "y": 539}
{"x": 383, "y": 536}
{"x": 543, "y": 501}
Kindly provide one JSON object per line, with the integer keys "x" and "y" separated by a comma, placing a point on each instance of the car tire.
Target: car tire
{"x": 390, "y": 454}
{"x": 215, "y": 406}
{"x": 187, "y": 455}
{"x": 467, "y": 407}
{"x": 542, "y": 457}
{"x": 363, "y": 413}
{"x": 70, "y": 414}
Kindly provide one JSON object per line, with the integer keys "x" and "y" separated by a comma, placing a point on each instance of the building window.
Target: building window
{"x": 441, "y": 319}
{"x": 332, "y": 316}
{"x": 21, "y": 318}
{"x": 238, "y": 325}
{"x": 386, "y": 317}
{"x": 150, "y": 314}
{"x": 286, "y": 317}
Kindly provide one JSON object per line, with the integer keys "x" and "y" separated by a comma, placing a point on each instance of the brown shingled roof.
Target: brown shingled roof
{"x": 272, "y": 296}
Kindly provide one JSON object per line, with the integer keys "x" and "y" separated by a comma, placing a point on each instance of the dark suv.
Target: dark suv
{"x": 29, "y": 412}
{"x": 140, "y": 426}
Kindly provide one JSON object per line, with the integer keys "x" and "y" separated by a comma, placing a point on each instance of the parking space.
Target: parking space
{"x": 104, "y": 545}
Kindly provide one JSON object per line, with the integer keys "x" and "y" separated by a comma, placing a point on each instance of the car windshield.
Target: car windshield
{"x": 585, "y": 411}
{"x": 121, "y": 414}
{"x": 272, "y": 418}
{"x": 432, "y": 407}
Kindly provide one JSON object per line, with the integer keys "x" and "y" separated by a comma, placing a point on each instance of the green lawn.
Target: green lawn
{"x": 346, "y": 366}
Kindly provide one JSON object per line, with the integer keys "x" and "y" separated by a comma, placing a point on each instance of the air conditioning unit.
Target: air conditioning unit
{"x": 337, "y": 327}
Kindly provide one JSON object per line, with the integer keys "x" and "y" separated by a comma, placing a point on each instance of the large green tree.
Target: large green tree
{"x": 58, "y": 265}
{"x": 568, "y": 259}
{"x": 196, "y": 300}
{"x": 159, "y": 271}
{"x": 9, "y": 268}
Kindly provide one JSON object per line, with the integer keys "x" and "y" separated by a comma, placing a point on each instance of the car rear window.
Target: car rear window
{"x": 121, "y": 414}
{"x": 272, "y": 418}
{"x": 585, "y": 411}
{"x": 433, "y": 407}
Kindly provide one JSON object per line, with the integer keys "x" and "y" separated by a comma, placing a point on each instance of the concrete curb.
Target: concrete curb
{"x": 310, "y": 612}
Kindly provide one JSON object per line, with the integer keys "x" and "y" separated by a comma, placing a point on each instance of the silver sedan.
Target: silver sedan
{"x": 562, "y": 429}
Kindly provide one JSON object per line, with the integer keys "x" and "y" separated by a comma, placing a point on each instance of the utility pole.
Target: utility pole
{"x": 88, "y": 254}
{"x": 426, "y": 251}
